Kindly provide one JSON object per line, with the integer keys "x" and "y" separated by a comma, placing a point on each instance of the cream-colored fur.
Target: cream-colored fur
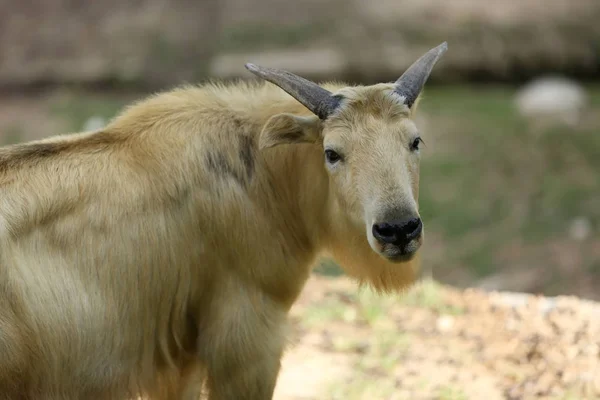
{"x": 169, "y": 246}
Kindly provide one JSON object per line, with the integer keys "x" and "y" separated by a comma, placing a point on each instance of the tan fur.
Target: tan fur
{"x": 175, "y": 240}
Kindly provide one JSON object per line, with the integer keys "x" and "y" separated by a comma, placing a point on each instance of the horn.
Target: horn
{"x": 413, "y": 79}
{"x": 318, "y": 100}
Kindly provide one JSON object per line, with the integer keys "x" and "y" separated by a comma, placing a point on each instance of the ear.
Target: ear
{"x": 288, "y": 128}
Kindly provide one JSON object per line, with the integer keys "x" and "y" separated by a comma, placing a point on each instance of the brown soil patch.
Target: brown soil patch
{"x": 440, "y": 343}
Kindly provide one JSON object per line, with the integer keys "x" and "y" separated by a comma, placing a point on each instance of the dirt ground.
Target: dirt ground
{"x": 436, "y": 342}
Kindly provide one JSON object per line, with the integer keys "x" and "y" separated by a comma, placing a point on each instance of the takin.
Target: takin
{"x": 159, "y": 256}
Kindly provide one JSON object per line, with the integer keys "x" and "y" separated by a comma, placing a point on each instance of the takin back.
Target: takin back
{"x": 159, "y": 256}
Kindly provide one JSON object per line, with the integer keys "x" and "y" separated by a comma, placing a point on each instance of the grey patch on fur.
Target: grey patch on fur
{"x": 218, "y": 164}
{"x": 247, "y": 155}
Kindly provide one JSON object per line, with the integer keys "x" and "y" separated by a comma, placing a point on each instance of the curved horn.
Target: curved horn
{"x": 317, "y": 99}
{"x": 413, "y": 79}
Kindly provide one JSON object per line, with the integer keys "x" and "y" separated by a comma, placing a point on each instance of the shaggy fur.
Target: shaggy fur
{"x": 166, "y": 249}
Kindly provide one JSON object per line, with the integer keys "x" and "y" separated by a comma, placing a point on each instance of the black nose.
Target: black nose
{"x": 399, "y": 232}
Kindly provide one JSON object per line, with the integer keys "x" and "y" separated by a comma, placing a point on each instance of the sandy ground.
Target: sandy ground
{"x": 440, "y": 343}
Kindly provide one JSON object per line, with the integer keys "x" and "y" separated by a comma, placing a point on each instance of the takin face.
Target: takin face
{"x": 370, "y": 150}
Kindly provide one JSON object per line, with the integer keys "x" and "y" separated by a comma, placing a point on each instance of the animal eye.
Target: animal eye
{"x": 332, "y": 157}
{"x": 415, "y": 144}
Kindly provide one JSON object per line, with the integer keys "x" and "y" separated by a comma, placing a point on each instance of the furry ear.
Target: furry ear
{"x": 288, "y": 128}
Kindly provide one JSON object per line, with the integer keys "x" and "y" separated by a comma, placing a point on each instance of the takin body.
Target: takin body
{"x": 161, "y": 254}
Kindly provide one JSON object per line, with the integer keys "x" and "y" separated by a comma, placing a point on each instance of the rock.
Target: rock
{"x": 552, "y": 97}
{"x": 580, "y": 228}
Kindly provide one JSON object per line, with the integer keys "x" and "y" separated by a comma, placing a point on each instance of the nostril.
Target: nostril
{"x": 413, "y": 228}
{"x": 398, "y": 232}
{"x": 385, "y": 232}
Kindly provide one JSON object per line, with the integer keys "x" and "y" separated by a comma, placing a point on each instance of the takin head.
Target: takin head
{"x": 370, "y": 150}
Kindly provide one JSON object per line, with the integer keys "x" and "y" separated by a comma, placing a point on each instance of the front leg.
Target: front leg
{"x": 244, "y": 347}
{"x": 254, "y": 380}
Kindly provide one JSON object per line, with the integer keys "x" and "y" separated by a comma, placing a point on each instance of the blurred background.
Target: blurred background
{"x": 510, "y": 190}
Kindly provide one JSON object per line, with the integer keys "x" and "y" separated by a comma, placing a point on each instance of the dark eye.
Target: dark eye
{"x": 332, "y": 157}
{"x": 415, "y": 144}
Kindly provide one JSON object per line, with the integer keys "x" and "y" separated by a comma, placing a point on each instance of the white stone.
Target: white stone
{"x": 553, "y": 97}
{"x": 580, "y": 228}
